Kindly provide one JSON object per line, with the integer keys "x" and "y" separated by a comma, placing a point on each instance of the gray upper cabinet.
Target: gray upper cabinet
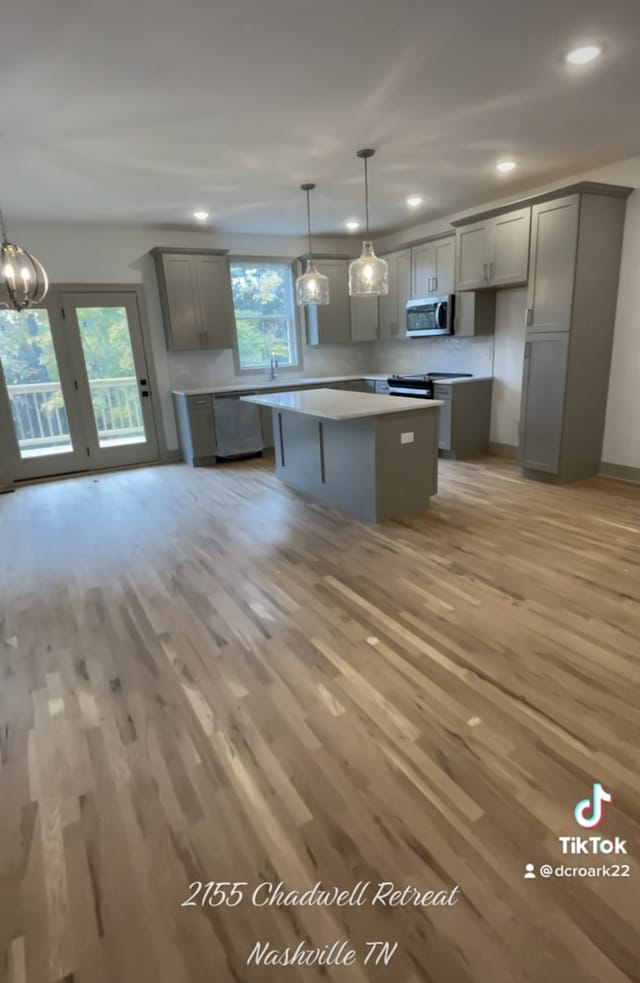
{"x": 434, "y": 268}
{"x": 509, "y": 264}
{"x": 494, "y": 252}
{"x": 393, "y": 306}
{"x": 365, "y": 319}
{"x": 472, "y": 242}
{"x": 475, "y": 313}
{"x": 553, "y": 260}
{"x": 330, "y": 324}
{"x": 195, "y": 295}
{"x": 575, "y": 263}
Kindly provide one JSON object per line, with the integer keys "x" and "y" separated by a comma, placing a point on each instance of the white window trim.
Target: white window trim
{"x": 297, "y": 328}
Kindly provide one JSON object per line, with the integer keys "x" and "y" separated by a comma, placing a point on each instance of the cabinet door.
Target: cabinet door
{"x": 331, "y": 324}
{"x": 388, "y": 306}
{"x": 543, "y": 392}
{"x": 510, "y": 248}
{"x": 213, "y": 281}
{"x": 424, "y": 270}
{"x": 201, "y": 430}
{"x": 444, "y": 281}
{"x": 554, "y": 238}
{"x": 473, "y": 257}
{"x": 184, "y": 331}
{"x": 364, "y": 318}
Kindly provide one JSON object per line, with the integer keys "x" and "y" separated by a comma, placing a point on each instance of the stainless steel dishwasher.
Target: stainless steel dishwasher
{"x": 238, "y": 426}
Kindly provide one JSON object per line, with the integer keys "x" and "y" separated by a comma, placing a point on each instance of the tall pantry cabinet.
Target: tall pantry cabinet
{"x": 576, "y": 243}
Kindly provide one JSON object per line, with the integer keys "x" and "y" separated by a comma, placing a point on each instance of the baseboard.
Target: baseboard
{"x": 172, "y": 457}
{"x": 503, "y": 450}
{"x": 621, "y": 472}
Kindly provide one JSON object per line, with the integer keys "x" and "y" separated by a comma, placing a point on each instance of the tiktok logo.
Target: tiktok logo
{"x": 593, "y": 806}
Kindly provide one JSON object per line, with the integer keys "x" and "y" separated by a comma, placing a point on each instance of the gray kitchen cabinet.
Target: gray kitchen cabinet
{"x": 543, "y": 390}
{"x": 330, "y": 324}
{"x": 196, "y": 430}
{"x": 472, "y": 247}
{"x": 465, "y": 417}
{"x": 553, "y": 259}
{"x": 494, "y": 252}
{"x": 576, "y": 248}
{"x": 475, "y": 313}
{"x": 365, "y": 319}
{"x": 434, "y": 268}
{"x": 393, "y": 306}
{"x": 195, "y": 296}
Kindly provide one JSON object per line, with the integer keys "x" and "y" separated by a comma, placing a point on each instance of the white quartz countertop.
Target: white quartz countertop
{"x": 278, "y": 383}
{"x": 335, "y": 404}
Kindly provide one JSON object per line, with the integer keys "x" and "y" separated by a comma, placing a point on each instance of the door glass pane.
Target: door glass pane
{"x": 33, "y": 381}
{"x": 106, "y": 344}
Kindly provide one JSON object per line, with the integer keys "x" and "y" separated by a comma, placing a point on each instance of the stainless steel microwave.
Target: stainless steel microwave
{"x": 429, "y": 317}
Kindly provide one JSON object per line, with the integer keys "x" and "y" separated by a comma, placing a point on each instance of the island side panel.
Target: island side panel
{"x": 332, "y": 461}
{"x": 406, "y": 470}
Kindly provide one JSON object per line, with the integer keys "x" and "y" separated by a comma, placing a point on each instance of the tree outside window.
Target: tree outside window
{"x": 265, "y": 320}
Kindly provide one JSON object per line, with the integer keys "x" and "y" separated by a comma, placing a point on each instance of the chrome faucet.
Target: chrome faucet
{"x": 274, "y": 365}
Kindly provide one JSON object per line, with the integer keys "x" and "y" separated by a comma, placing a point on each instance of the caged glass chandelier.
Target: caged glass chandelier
{"x": 312, "y": 287}
{"x": 23, "y": 281}
{"x": 368, "y": 275}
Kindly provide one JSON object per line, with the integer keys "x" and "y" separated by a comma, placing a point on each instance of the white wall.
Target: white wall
{"x": 622, "y": 428}
{"x": 77, "y": 254}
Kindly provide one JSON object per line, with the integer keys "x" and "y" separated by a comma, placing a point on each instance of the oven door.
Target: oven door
{"x": 430, "y": 317}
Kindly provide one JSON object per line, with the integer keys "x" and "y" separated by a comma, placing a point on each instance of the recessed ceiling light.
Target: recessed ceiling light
{"x": 352, "y": 225}
{"x": 414, "y": 200}
{"x": 505, "y": 166}
{"x": 201, "y": 216}
{"x": 583, "y": 55}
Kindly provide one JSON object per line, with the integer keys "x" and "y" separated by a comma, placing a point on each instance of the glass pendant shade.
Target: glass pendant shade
{"x": 312, "y": 287}
{"x": 23, "y": 281}
{"x": 368, "y": 275}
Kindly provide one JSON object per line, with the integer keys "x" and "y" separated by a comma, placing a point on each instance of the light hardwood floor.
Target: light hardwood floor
{"x": 206, "y": 677}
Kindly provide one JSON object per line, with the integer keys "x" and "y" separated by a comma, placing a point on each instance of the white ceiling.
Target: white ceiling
{"x": 144, "y": 110}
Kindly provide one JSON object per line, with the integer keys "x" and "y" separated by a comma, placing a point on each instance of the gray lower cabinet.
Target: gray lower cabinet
{"x": 575, "y": 262}
{"x": 465, "y": 417}
{"x": 196, "y": 300}
{"x": 543, "y": 389}
{"x": 196, "y": 430}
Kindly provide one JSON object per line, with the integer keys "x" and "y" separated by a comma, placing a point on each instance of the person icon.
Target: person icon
{"x": 529, "y": 872}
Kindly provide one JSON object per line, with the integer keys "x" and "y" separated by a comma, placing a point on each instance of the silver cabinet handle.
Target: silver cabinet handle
{"x": 435, "y": 283}
{"x": 491, "y": 269}
{"x": 529, "y": 318}
{"x": 429, "y": 284}
{"x": 484, "y": 271}
{"x": 527, "y": 349}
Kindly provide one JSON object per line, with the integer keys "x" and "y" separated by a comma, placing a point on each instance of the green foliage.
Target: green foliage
{"x": 263, "y": 307}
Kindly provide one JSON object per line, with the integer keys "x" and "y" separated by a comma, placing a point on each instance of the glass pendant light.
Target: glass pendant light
{"x": 23, "y": 281}
{"x": 369, "y": 275}
{"x": 312, "y": 287}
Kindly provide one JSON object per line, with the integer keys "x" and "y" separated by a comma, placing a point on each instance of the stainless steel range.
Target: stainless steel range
{"x": 420, "y": 386}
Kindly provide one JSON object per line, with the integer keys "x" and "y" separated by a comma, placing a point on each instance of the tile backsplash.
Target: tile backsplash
{"x": 474, "y": 355}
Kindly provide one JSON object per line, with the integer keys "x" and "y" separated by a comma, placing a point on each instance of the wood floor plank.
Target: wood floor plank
{"x": 205, "y": 677}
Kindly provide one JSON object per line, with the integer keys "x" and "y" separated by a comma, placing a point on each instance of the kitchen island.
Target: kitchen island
{"x": 372, "y": 455}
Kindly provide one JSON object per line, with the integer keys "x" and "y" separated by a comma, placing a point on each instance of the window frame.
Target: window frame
{"x": 296, "y": 327}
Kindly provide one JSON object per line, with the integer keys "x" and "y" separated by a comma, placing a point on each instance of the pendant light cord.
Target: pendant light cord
{"x": 2, "y": 228}
{"x": 309, "y": 226}
{"x": 366, "y": 195}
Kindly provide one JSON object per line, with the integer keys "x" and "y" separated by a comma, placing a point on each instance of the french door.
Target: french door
{"x": 76, "y": 384}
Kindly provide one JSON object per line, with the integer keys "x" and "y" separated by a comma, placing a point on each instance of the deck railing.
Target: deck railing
{"x": 40, "y": 417}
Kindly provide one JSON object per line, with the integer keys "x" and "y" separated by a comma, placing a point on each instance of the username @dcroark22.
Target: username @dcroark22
{"x": 340, "y": 952}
